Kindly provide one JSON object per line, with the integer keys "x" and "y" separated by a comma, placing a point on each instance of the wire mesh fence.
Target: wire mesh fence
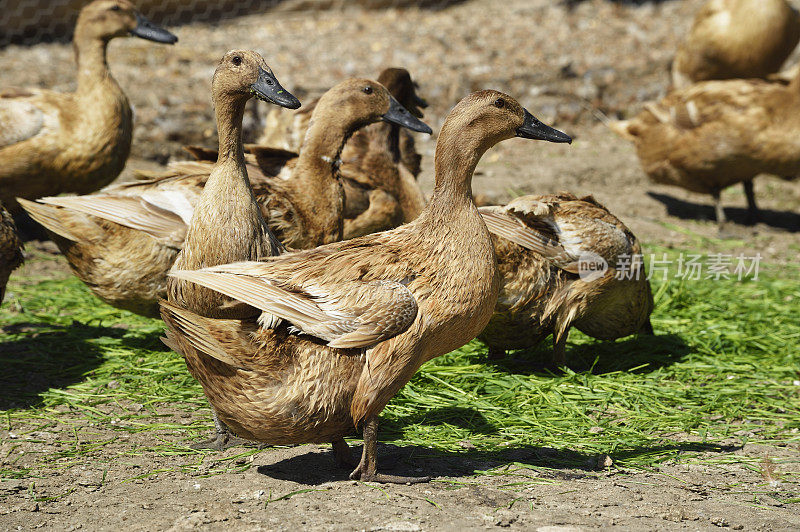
{"x": 33, "y": 21}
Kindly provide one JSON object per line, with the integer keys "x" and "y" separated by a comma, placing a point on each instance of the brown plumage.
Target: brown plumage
{"x": 544, "y": 245}
{"x": 10, "y": 249}
{"x": 370, "y": 310}
{"x": 122, "y": 241}
{"x": 379, "y": 163}
{"x": 736, "y": 39}
{"x": 54, "y": 142}
{"x": 718, "y": 133}
{"x": 226, "y": 224}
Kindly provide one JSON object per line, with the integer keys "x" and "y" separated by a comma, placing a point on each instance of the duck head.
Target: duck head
{"x": 106, "y": 19}
{"x": 354, "y": 103}
{"x": 242, "y": 74}
{"x": 488, "y": 117}
{"x": 404, "y": 89}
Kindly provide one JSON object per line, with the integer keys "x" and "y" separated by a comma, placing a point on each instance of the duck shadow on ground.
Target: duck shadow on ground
{"x": 314, "y": 468}
{"x": 55, "y": 356}
{"x": 641, "y": 353}
{"x": 688, "y": 210}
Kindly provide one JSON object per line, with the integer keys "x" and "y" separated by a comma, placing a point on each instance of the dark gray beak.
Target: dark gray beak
{"x": 147, "y": 30}
{"x": 417, "y": 105}
{"x": 397, "y": 114}
{"x": 532, "y": 128}
{"x": 268, "y": 89}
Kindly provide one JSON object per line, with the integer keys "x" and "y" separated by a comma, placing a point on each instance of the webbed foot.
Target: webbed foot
{"x": 374, "y": 476}
{"x": 367, "y": 470}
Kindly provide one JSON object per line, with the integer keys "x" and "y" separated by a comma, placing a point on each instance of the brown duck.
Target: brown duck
{"x": 360, "y": 316}
{"x": 54, "y": 142}
{"x": 736, "y": 39}
{"x": 122, "y": 241}
{"x": 10, "y": 249}
{"x": 545, "y": 247}
{"x": 379, "y": 163}
{"x": 718, "y": 133}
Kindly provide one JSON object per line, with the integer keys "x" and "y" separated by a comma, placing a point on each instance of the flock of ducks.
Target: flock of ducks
{"x": 306, "y": 278}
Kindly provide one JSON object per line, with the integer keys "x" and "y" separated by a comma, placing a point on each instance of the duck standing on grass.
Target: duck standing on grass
{"x": 54, "y": 142}
{"x": 544, "y": 245}
{"x": 123, "y": 240}
{"x": 344, "y": 326}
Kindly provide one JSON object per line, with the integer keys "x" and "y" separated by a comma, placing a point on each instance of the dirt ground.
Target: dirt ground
{"x": 299, "y": 488}
{"x": 572, "y": 68}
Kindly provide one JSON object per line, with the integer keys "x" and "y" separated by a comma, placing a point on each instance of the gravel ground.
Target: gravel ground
{"x": 572, "y": 68}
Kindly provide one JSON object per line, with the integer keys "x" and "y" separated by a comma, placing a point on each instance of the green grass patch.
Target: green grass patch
{"x": 722, "y": 370}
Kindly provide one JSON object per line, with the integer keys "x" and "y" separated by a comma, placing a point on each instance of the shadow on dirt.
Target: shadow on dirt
{"x": 317, "y": 468}
{"x": 641, "y": 353}
{"x": 786, "y": 220}
{"x": 53, "y": 356}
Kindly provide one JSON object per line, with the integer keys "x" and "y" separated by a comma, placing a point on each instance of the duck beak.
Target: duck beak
{"x": 147, "y": 30}
{"x": 532, "y": 128}
{"x": 268, "y": 89}
{"x": 397, "y": 114}
{"x": 417, "y": 103}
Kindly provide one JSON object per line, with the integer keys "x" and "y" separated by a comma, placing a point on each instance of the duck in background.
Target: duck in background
{"x": 380, "y": 163}
{"x": 123, "y": 240}
{"x": 346, "y": 325}
{"x": 736, "y": 39}
{"x": 715, "y": 134}
{"x": 78, "y": 142}
{"x": 10, "y": 249}
{"x": 565, "y": 262}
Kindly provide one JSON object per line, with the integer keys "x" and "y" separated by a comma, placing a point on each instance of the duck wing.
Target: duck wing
{"x": 533, "y": 228}
{"x": 344, "y": 309}
{"x": 729, "y": 103}
{"x": 142, "y": 213}
{"x": 20, "y": 118}
{"x": 159, "y": 204}
{"x": 562, "y": 227}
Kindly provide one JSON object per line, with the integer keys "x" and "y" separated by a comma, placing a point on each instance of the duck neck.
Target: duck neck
{"x": 229, "y": 115}
{"x": 227, "y": 225}
{"x": 319, "y": 192}
{"x": 90, "y": 55}
{"x": 454, "y": 164}
{"x": 228, "y": 189}
{"x": 393, "y": 140}
{"x": 321, "y": 149}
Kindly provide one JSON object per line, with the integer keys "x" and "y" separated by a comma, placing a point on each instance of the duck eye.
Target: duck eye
{"x": 236, "y": 60}
{"x": 115, "y": 8}
{"x": 499, "y": 103}
{"x": 367, "y": 90}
